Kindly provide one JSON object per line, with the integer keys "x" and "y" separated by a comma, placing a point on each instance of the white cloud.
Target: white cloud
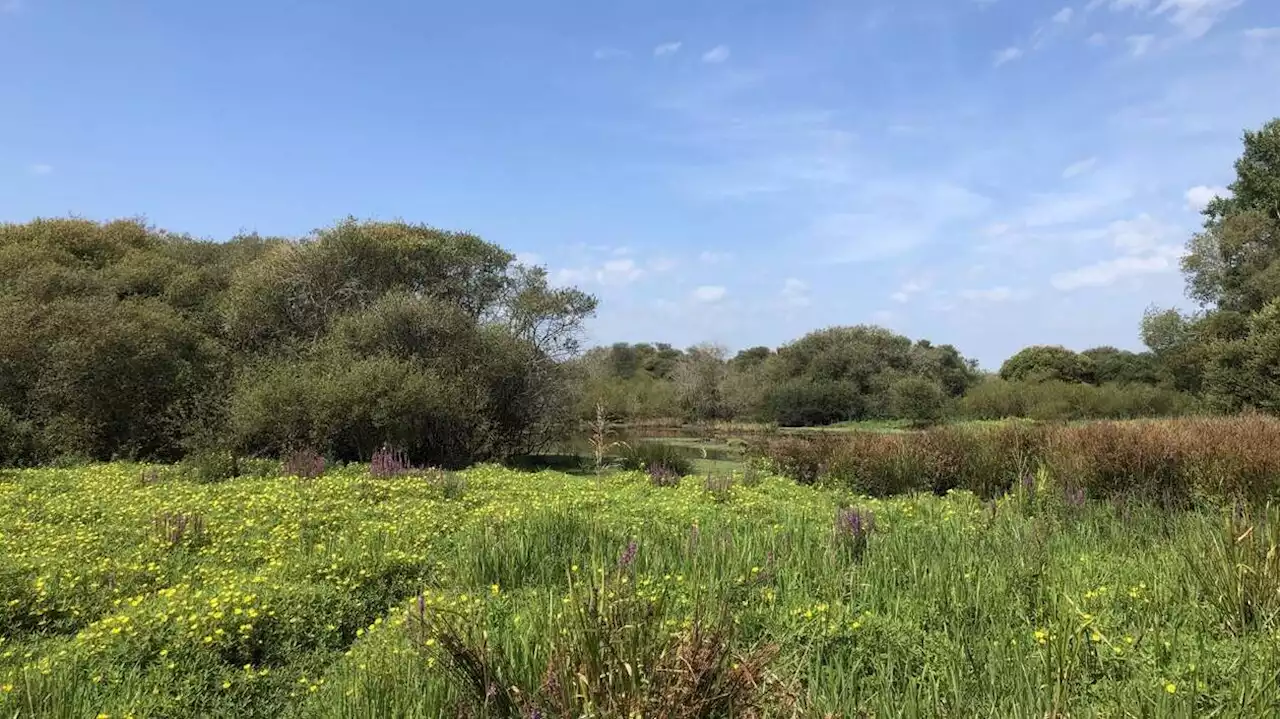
{"x": 667, "y": 48}
{"x": 1079, "y": 168}
{"x": 1145, "y": 245}
{"x": 40, "y": 168}
{"x": 619, "y": 272}
{"x": 714, "y": 258}
{"x": 530, "y": 259}
{"x": 1199, "y": 196}
{"x": 719, "y": 53}
{"x": 709, "y": 294}
{"x": 1009, "y": 54}
{"x": 1139, "y": 44}
{"x": 1262, "y": 34}
{"x": 608, "y": 53}
{"x": 1111, "y": 271}
{"x": 795, "y": 293}
{"x": 662, "y": 264}
{"x": 1064, "y": 15}
{"x": 994, "y": 294}
{"x": 1097, "y": 39}
{"x": 1140, "y": 234}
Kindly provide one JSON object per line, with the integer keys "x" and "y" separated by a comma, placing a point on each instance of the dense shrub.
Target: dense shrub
{"x": 917, "y": 399}
{"x": 1051, "y": 400}
{"x": 124, "y": 341}
{"x": 808, "y": 403}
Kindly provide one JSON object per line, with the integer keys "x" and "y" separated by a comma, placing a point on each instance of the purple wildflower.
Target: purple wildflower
{"x": 628, "y": 555}
{"x": 387, "y": 462}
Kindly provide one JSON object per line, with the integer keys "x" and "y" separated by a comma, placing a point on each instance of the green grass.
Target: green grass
{"x": 296, "y": 599}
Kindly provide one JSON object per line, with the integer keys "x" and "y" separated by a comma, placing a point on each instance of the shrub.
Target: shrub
{"x": 917, "y": 399}
{"x": 802, "y": 402}
{"x": 210, "y": 466}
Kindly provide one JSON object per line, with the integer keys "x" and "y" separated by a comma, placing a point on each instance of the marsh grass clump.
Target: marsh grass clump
{"x": 656, "y": 457}
{"x": 180, "y": 529}
{"x": 1236, "y": 571}
{"x": 210, "y": 466}
{"x": 304, "y": 463}
{"x": 613, "y": 652}
{"x": 452, "y": 485}
{"x": 718, "y": 486}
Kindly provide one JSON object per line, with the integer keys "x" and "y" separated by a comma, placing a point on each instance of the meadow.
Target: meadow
{"x": 133, "y": 591}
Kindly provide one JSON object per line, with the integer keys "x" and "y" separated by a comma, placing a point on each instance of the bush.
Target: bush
{"x": 210, "y": 466}
{"x": 808, "y": 403}
{"x": 917, "y": 399}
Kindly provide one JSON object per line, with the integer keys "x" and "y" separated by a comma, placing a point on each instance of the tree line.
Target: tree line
{"x": 1224, "y": 357}
{"x": 122, "y": 340}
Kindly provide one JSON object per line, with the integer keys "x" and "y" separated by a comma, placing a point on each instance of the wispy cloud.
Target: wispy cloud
{"x": 709, "y": 294}
{"x": 1139, "y": 45}
{"x": 909, "y": 289}
{"x": 714, "y": 258}
{"x": 1109, "y": 272}
{"x": 992, "y": 294}
{"x": 1193, "y": 18}
{"x": 1063, "y": 16}
{"x": 717, "y": 54}
{"x": 667, "y": 48}
{"x": 1009, "y": 54}
{"x": 609, "y": 53}
{"x": 795, "y": 293}
{"x": 1079, "y": 168}
{"x": 11, "y": 6}
{"x": 40, "y": 168}
{"x": 1262, "y": 34}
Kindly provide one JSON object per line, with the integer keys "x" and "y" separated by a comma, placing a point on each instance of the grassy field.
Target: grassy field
{"x": 126, "y": 593}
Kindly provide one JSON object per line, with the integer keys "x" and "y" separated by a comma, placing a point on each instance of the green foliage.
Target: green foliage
{"x": 996, "y": 398}
{"x": 210, "y": 466}
{"x": 126, "y": 341}
{"x": 1042, "y": 363}
{"x": 917, "y": 399}
{"x": 801, "y": 402}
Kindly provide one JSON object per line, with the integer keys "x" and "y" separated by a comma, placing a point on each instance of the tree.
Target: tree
{"x": 123, "y": 340}
{"x": 697, "y": 380}
{"x": 917, "y": 399}
{"x": 1040, "y": 363}
{"x": 1122, "y": 366}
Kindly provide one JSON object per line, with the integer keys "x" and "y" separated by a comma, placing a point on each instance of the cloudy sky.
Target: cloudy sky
{"x": 990, "y": 173}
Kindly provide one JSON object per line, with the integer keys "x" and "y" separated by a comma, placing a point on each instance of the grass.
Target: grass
{"x": 505, "y": 593}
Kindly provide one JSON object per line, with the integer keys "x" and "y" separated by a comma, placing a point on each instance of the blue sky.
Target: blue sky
{"x": 989, "y": 173}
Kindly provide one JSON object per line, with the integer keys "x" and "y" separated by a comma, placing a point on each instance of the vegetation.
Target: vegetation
{"x": 127, "y": 341}
{"x": 134, "y": 591}
{"x": 1175, "y": 463}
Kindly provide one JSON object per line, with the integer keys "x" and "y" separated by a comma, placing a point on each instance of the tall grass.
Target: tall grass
{"x": 1177, "y": 462}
